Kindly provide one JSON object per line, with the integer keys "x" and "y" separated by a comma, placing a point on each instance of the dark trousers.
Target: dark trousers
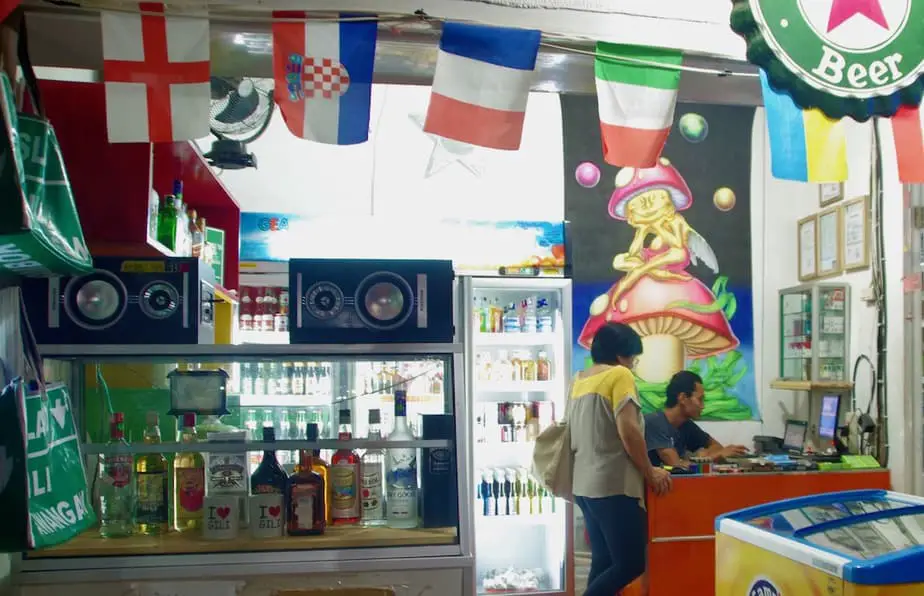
{"x": 618, "y": 532}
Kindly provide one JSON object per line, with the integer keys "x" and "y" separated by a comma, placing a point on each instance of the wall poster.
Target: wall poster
{"x": 667, "y": 250}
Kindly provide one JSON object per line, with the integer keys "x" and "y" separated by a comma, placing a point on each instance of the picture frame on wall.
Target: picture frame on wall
{"x": 855, "y": 233}
{"x": 808, "y": 248}
{"x": 830, "y": 193}
{"x": 830, "y": 243}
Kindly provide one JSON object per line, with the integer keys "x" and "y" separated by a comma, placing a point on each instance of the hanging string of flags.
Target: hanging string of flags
{"x": 156, "y": 73}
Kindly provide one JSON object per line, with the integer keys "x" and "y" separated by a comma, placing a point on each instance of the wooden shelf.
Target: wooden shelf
{"x": 786, "y": 385}
{"x": 91, "y": 544}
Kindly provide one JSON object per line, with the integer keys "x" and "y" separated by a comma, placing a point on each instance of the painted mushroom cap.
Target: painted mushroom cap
{"x": 653, "y": 307}
{"x": 631, "y": 182}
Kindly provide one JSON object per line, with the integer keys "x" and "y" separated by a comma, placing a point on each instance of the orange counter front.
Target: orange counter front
{"x": 681, "y": 525}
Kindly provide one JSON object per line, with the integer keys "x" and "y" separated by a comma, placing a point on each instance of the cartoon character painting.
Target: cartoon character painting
{"x": 679, "y": 318}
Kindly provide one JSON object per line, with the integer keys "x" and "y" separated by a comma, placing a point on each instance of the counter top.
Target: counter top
{"x": 684, "y": 477}
{"x": 91, "y": 544}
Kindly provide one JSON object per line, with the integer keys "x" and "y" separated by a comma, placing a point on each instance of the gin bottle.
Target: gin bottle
{"x": 401, "y": 471}
{"x": 116, "y": 493}
{"x": 373, "y": 473}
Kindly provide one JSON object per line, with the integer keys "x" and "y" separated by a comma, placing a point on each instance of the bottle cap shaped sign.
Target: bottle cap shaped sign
{"x": 857, "y": 58}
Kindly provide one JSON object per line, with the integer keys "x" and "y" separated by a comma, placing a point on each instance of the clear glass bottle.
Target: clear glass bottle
{"x": 401, "y": 471}
{"x": 151, "y": 511}
{"x": 116, "y": 493}
{"x": 344, "y": 475}
{"x": 188, "y": 480}
{"x": 373, "y": 475}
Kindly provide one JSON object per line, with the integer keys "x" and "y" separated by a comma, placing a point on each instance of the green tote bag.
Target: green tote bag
{"x": 44, "y": 495}
{"x": 40, "y": 232}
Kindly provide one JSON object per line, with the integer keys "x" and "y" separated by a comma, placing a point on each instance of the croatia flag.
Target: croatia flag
{"x": 481, "y": 84}
{"x": 323, "y": 77}
{"x": 908, "y": 129}
{"x": 156, "y": 71}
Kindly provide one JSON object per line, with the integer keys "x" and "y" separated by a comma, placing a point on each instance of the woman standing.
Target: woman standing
{"x": 611, "y": 463}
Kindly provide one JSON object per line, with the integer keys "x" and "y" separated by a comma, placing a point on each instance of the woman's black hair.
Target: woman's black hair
{"x": 615, "y": 340}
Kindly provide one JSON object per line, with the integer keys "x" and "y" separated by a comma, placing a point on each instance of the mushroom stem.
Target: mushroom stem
{"x": 662, "y": 357}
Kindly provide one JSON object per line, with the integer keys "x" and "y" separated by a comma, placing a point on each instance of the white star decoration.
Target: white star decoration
{"x": 446, "y": 152}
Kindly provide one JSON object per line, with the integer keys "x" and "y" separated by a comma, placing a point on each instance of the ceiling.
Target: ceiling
{"x": 64, "y": 38}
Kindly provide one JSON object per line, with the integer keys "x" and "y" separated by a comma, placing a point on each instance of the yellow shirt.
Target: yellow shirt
{"x": 602, "y": 468}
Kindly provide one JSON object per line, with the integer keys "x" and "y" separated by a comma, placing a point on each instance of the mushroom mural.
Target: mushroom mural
{"x": 677, "y": 316}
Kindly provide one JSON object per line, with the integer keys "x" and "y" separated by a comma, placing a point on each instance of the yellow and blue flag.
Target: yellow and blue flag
{"x": 805, "y": 145}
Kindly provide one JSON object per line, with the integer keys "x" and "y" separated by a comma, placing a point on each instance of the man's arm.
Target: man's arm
{"x": 712, "y": 447}
{"x": 670, "y": 457}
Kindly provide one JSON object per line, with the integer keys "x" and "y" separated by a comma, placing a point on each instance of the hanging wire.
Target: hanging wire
{"x": 553, "y": 40}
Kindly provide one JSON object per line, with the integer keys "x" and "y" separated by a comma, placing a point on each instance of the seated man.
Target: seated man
{"x": 672, "y": 436}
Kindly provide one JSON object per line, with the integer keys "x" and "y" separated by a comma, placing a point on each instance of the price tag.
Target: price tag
{"x": 194, "y": 588}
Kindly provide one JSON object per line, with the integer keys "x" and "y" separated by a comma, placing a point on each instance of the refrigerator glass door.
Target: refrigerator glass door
{"x": 518, "y": 333}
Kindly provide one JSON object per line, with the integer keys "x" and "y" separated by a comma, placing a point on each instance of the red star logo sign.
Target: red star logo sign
{"x": 842, "y": 10}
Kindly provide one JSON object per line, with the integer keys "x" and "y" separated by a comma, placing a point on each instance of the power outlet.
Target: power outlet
{"x": 867, "y": 296}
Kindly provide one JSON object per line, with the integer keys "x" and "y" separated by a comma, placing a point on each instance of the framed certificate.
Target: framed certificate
{"x": 830, "y": 193}
{"x": 808, "y": 241}
{"x": 856, "y": 233}
{"x": 830, "y": 247}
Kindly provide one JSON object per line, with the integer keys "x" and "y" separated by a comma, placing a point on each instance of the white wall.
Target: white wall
{"x": 776, "y": 207}
{"x": 403, "y": 172}
{"x": 700, "y": 26}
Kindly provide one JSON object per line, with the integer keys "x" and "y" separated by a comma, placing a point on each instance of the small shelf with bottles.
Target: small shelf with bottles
{"x": 346, "y": 461}
{"x": 814, "y": 337}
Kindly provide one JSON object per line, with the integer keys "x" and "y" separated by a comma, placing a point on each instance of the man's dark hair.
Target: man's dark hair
{"x": 683, "y": 382}
{"x": 615, "y": 340}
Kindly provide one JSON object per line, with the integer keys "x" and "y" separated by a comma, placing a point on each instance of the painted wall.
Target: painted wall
{"x": 776, "y": 206}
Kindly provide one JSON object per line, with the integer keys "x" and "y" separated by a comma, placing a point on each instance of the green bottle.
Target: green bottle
{"x": 166, "y": 223}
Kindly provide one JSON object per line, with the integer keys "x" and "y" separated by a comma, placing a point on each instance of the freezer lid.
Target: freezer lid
{"x": 867, "y": 537}
{"x": 792, "y": 515}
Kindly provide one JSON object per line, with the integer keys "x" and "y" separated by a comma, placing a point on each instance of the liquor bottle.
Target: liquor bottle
{"x": 268, "y": 486}
{"x": 320, "y": 467}
{"x": 344, "y": 475}
{"x": 305, "y": 502}
{"x": 151, "y": 484}
{"x": 401, "y": 471}
{"x": 373, "y": 473}
{"x": 116, "y": 498}
{"x": 166, "y": 223}
{"x": 188, "y": 480}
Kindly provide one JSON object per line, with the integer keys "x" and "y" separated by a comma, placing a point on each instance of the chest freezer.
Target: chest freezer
{"x": 850, "y": 543}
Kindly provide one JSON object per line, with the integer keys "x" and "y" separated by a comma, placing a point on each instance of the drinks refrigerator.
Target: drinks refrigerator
{"x": 517, "y": 336}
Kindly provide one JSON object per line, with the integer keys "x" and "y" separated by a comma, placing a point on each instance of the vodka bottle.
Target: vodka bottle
{"x": 401, "y": 476}
{"x": 116, "y": 493}
{"x": 373, "y": 472}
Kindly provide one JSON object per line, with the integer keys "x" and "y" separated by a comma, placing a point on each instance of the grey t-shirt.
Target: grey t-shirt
{"x": 661, "y": 434}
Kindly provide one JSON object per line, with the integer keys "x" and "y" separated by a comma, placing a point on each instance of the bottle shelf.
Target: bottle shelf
{"x": 209, "y": 447}
{"x": 515, "y": 339}
{"x": 90, "y": 544}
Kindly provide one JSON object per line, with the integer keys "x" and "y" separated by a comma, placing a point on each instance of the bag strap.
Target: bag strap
{"x": 30, "y": 347}
{"x": 28, "y": 73}
{"x": 568, "y": 396}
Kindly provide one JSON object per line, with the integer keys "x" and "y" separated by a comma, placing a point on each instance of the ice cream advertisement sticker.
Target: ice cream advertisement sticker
{"x": 763, "y": 587}
{"x": 856, "y": 58}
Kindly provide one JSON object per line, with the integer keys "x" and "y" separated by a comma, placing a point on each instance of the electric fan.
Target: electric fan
{"x": 241, "y": 111}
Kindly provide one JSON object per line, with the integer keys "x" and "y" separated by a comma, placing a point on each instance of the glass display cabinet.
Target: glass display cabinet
{"x": 814, "y": 333}
{"x": 354, "y": 416}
